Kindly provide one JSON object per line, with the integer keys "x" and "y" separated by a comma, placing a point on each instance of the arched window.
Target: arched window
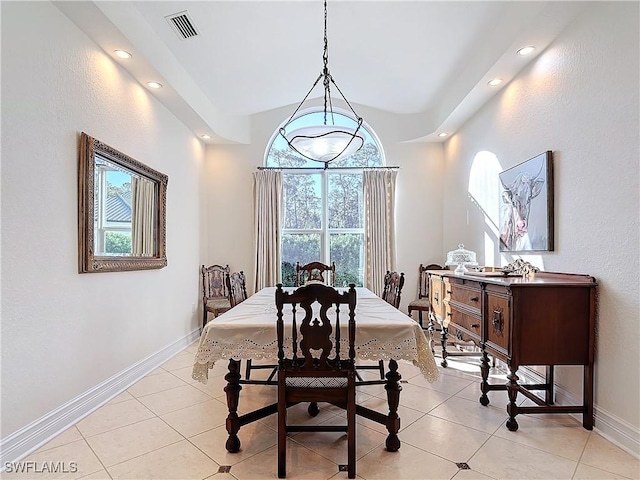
{"x": 323, "y": 208}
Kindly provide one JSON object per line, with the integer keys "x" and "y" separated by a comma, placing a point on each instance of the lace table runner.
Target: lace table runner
{"x": 248, "y": 331}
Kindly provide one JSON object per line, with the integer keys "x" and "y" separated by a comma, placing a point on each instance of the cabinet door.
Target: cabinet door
{"x": 498, "y": 318}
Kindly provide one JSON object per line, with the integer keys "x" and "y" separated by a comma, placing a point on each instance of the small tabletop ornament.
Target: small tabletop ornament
{"x": 461, "y": 258}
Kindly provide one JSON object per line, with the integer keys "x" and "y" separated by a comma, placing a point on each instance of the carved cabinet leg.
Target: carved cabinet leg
{"x": 431, "y": 328}
{"x": 512, "y": 391}
{"x": 233, "y": 394}
{"x": 393, "y": 389}
{"x": 484, "y": 385}
{"x": 443, "y": 341}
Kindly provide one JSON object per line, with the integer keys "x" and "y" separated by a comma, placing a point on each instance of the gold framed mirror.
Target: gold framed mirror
{"x": 121, "y": 211}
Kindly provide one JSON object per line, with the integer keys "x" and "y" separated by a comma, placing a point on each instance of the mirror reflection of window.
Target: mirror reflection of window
{"x": 125, "y": 212}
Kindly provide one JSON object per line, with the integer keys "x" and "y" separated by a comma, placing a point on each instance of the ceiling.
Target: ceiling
{"x": 426, "y": 62}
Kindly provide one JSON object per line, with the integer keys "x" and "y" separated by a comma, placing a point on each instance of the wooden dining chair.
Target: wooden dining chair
{"x": 315, "y": 272}
{"x": 236, "y": 288}
{"x": 393, "y": 283}
{"x": 215, "y": 297}
{"x": 314, "y": 369}
{"x": 421, "y": 304}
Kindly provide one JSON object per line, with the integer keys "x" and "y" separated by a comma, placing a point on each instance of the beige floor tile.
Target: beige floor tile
{"x": 443, "y": 438}
{"x": 497, "y": 398}
{"x": 122, "y": 397}
{"x": 180, "y": 360}
{"x": 585, "y": 472}
{"x": 70, "y": 435}
{"x": 420, "y": 398}
{"x": 407, "y": 415}
{"x": 470, "y": 414}
{"x": 113, "y": 416}
{"x": 508, "y": 460}
{"x": 100, "y": 475}
{"x": 468, "y": 474}
{"x": 333, "y": 445}
{"x": 408, "y": 463}
{"x": 446, "y": 383}
{"x": 602, "y": 454}
{"x": 302, "y": 464}
{"x": 298, "y": 414}
{"x": 253, "y": 397}
{"x": 174, "y": 399}
{"x": 155, "y": 371}
{"x": 154, "y": 384}
{"x": 197, "y": 418}
{"x": 73, "y": 460}
{"x": 124, "y": 443}
{"x": 214, "y": 387}
{"x": 563, "y": 440}
{"x": 185, "y": 374}
{"x": 179, "y": 461}
{"x": 254, "y": 438}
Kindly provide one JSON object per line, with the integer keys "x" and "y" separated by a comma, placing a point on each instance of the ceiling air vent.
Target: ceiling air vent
{"x": 182, "y": 24}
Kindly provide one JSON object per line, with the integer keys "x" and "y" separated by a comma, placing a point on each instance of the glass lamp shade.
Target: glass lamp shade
{"x": 325, "y": 143}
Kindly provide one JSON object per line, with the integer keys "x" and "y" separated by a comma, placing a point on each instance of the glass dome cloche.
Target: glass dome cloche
{"x": 461, "y": 258}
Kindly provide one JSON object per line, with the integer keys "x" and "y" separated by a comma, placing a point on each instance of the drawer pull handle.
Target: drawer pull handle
{"x": 448, "y": 314}
{"x": 474, "y": 299}
{"x": 449, "y": 292}
{"x": 475, "y": 325}
{"x": 497, "y": 321}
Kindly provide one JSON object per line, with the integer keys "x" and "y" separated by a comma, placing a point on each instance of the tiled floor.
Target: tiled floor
{"x": 168, "y": 426}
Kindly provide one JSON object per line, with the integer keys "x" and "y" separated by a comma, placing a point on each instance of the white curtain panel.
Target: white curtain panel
{"x": 267, "y": 225}
{"x": 380, "y": 231}
{"x": 143, "y": 219}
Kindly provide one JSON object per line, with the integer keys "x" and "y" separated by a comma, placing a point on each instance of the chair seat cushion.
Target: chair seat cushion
{"x": 422, "y": 303}
{"x": 316, "y": 382}
{"x": 218, "y": 304}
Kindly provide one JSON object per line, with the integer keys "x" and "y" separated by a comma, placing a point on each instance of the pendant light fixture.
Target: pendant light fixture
{"x": 324, "y": 142}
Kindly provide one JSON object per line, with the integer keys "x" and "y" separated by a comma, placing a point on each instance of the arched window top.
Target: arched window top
{"x": 278, "y": 153}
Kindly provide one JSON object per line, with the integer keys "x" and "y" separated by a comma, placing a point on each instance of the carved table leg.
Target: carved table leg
{"x": 484, "y": 385}
{"x": 393, "y": 389}
{"x": 431, "y": 328}
{"x": 512, "y": 391}
{"x": 233, "y": 394}
{"x": 443, "y": 341}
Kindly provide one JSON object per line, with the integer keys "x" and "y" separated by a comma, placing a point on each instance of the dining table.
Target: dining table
{"x": 248, "y": 332}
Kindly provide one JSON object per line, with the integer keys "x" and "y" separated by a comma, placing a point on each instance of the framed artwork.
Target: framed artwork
{"x": 526, "y": 206}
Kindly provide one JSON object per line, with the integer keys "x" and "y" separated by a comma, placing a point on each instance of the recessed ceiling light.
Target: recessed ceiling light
{"x": 154, "y": 84}
{"x": 495, "y": 81}
{"x": 443, "y": 134}
{"x": 526, "y": 50}
{"x": 122, "y": 54}
{"x": 206, "y": 137}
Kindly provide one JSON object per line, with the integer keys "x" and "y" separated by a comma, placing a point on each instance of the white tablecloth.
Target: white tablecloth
{"x": 248, "y": 331}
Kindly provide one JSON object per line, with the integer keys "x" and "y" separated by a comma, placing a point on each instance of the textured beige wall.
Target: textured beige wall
{"x": 64, "y": 333}
{"x": 579, "y": 98}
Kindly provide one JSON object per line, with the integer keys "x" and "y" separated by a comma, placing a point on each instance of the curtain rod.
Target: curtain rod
{"x": 312, "y": 169}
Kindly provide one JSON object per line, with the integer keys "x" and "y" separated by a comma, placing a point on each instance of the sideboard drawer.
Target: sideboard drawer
{"x": 468, "y": 323}
{"x": 468, "y": 296}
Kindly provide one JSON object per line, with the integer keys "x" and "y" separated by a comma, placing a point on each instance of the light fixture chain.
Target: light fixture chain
{"x": 325, "y": 60}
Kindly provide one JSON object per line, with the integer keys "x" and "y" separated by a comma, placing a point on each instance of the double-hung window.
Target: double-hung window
{"x": 323, "y": 207}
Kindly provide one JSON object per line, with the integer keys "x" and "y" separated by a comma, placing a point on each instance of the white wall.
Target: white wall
{"x": 579, "y": 98}
{"x": 229, "y": 183}
{"x": 64, "y": 333}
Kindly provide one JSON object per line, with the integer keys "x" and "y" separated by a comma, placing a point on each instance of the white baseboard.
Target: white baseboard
{"x": 614, "y": 429}
{"x": 31, "y": 437}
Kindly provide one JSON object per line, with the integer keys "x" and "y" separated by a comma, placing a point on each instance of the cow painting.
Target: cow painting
{"x": 525, "y": 186}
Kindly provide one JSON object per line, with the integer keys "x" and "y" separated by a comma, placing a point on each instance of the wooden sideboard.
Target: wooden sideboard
{"x": 543, "y": 319}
